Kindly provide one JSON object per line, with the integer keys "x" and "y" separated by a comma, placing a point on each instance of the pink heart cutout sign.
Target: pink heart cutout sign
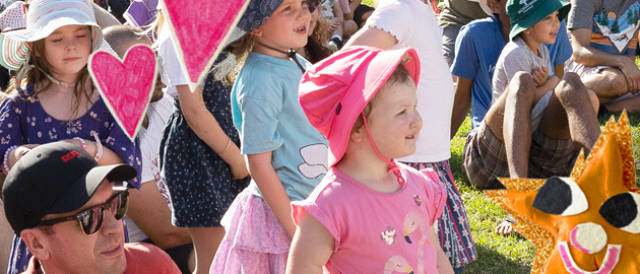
{"x": 199, "y": 28}
{"x": 126, "y": 87}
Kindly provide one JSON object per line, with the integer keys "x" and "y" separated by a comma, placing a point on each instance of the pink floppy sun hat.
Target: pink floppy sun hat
{"x": 334, "y": 92}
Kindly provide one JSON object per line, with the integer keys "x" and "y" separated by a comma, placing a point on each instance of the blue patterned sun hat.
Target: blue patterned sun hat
{"x": 257, "y": 12}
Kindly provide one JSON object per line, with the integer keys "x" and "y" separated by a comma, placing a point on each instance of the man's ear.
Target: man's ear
{"x": 37, "y": 242}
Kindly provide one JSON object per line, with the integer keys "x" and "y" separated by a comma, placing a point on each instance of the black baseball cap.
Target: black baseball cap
{"x": 54, "y": 178}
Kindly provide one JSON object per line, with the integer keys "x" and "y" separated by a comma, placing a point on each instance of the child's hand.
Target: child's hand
{"x": 539, "y": 75}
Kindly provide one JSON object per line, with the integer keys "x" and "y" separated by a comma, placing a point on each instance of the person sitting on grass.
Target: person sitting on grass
{"x": 537, "y": 123}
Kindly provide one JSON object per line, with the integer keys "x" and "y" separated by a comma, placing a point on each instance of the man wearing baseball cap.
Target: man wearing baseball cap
{"x": 68, "y": 210}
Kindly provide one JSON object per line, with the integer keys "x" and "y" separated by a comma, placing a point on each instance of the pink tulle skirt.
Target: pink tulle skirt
{"x": 255, "y": 241}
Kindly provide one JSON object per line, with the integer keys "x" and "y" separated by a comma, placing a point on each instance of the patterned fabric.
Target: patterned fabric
{"x": 255, "y": 239}
{"x": 198, "y": 180}
{"x": 485, "y": 157}
{"x": 257, "y": 13}
{"x": 453, "y": 227}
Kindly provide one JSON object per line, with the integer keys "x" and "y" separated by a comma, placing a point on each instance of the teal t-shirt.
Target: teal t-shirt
{"x": 267, "y": 113}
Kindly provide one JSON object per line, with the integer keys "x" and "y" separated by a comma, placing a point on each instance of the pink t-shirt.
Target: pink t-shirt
{"x": 377, "y": 232}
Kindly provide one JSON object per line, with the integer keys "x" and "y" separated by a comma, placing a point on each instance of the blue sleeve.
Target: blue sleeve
{"x": 10, "y": 124}
{"x": 466, "y": 62}
{"x": 260, "y": 103}
{"x": 129, "y": 151}
{"x": 561, "y": 50}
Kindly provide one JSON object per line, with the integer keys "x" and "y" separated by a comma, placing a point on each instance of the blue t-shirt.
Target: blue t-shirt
{"x": 267, "y": 113}
{"x": 478, "y": 47}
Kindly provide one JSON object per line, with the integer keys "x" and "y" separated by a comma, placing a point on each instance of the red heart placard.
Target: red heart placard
{"x": 199, "y": 28}
{"x": 125, "y": 87}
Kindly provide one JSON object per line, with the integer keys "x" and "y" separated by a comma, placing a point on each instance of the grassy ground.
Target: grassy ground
{"x": 498, "y": 254}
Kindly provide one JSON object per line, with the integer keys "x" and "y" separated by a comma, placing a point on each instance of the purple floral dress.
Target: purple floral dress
{"x": 24, "y": 121}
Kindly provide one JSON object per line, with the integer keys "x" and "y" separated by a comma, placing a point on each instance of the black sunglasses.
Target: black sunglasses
{"x": 313, "y": 5}
{"x": 91, "y": 218}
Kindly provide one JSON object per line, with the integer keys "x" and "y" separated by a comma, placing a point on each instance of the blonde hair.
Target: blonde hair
{"x": 227, "y": 71}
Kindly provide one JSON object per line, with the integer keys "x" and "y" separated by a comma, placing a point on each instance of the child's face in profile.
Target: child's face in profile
{"x": 394, "y": 122}
{"x": 67, "y": 49}
{"x": 546, "y": 30}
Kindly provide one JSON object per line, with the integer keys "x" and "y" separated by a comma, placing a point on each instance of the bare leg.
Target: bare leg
{"x": 205, "y": 244}
{"x": 517, "y": 123}
{"x": 349, "y": 27}
{"x": 630, "y": 104}
{"x": 607, "y": 84}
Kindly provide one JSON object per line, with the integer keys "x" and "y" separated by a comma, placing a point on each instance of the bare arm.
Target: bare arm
{"x": 311, "y": 247}
{"x": 444, "y": 266}
{"x": 103, "y": 17}
{"x": 461, "y": 104}
{"x": 109, "y": 157}
{"x": 584, "y": 54}
{"x": 202, "y": 122}
{"x": 149, "y": 210}
{"x": 551, "y": 84}
{"x": 271, "y": 188}
{"x": 372, "y": 37}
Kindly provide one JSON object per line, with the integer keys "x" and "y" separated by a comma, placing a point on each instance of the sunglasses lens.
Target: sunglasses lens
{"x": 121, "y": 205}
{"x": 90, "y": 219}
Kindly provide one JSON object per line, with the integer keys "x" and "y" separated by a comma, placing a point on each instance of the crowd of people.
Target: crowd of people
{"x": 318, "y": 142}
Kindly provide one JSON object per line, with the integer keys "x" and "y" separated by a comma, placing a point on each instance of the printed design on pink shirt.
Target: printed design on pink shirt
{"x": 397, "y": 264}
{"x": 413, "y": 222}
{"x": 417, "y": 199}
{"x": 389, "y": 236}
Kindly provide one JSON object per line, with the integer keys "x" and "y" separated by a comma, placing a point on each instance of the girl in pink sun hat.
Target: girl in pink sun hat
{"x": 370, "y": 214}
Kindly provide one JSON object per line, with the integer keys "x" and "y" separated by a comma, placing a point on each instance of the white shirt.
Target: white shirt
{"x": 159, "y": 113}
{"x": 414, "y": 25}
{"x": 168, "y": 52}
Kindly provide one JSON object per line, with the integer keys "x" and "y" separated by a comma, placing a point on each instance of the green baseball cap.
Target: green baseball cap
{"x": 523, "y": 14}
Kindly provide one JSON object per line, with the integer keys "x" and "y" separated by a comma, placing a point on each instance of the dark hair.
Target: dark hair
{"x": 399, "y": 75}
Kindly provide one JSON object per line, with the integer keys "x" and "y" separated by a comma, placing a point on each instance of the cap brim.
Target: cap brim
{"x": 380, "y": 68}
{"x": 83, "y": 189}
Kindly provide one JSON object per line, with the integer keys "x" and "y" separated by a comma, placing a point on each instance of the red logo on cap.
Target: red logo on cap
{"x": 70, "y": 155}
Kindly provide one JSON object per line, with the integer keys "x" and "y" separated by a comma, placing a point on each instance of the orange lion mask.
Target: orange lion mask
{"x": 588, "y": 222}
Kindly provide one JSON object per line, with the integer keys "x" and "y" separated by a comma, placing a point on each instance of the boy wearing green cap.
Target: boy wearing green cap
{"x": 537, "y": 124}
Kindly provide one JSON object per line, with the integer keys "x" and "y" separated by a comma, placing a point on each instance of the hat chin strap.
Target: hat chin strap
{"x": 394, "y": 167}
{"x": 291, "y": 54}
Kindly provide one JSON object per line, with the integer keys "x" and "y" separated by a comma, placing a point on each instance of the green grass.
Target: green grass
{"x": 497, "y": 254}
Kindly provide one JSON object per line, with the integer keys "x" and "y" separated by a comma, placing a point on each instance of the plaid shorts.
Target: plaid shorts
{"x": 485, "y": 158}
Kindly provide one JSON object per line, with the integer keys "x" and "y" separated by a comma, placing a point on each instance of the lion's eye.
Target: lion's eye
{"x": 561, "y": 196}
{"x": 621, "y": 211}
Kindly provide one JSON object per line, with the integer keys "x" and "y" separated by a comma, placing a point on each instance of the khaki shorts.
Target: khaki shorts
{"x": 485, "y": 158}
